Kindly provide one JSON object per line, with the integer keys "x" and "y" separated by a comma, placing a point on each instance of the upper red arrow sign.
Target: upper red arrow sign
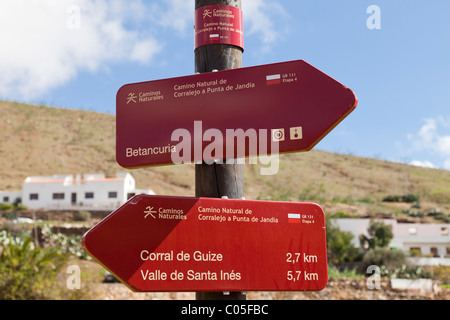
{"x": 162, "y": 243}
{"x": 282, "y": 107}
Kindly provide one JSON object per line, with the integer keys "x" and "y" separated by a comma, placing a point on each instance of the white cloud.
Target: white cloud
{"x": 259, "y": 17}
{"x": 428, "y": 132}
{"x": 45, "y": 43}
{"x": 175, "y": 14}
{"x": 425, "y": 164}
{"x": 429, "y": 138}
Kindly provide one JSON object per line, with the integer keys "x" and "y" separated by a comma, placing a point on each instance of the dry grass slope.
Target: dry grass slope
{"x": 40, "y": 140}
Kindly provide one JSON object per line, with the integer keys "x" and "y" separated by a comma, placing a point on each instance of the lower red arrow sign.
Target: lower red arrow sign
{"x": 163, "y": 243}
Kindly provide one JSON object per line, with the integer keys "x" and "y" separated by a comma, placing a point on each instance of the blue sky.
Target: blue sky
{"x": 78, "y": 53}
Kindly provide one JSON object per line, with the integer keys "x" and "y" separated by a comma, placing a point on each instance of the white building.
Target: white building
{"x": 427, "y": 238}
{"x": 10, "y": 197}
{"x": 90, "y": 191}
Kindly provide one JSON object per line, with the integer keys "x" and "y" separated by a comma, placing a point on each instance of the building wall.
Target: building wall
{"x": 358, "y": 227}
{"x": 429, "y": 238}
{"x": 428, "y": 247}
{"x": 10, "y": 197}
{"x": 89, "y": 191}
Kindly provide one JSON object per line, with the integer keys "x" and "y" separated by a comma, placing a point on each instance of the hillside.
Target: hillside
{"x": 40, "y": 140}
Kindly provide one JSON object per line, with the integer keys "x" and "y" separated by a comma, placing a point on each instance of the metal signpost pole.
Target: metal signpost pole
{"x": 218, "y": 180}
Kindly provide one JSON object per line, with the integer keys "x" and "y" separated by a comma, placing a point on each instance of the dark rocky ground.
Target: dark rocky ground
{"x": 336, "y": 289}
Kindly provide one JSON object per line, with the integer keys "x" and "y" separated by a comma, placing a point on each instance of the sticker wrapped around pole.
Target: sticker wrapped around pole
{"x": 218, "y": 24}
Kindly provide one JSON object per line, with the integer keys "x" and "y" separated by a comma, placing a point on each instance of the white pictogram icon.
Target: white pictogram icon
{"x": 131, "y": 97}
{"x": 277, "y": 134}
{"x": 207, "y": 13}
{"x": 296, "y": 133}
{"x": 149, "y": 211}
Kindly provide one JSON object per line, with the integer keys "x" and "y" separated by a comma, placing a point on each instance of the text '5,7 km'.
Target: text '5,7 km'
{"x": 230, "y": 114}
{"x": 165, "y": 243}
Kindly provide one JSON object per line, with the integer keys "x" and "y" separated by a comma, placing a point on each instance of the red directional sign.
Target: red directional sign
{"x": 275, "y": 108}
{"x": 163, "y": 243}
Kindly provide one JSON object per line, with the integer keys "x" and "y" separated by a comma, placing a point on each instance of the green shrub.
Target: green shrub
{"x": 82, "y": 215}
{"x": 380, "y": 235}
{"x": 384, "y": 257}
{"x": 64, "y": 244}
{"x": 410, "y": 198}
{"x": 409, "y": 272}
{"x": 21, "y": 207}
{"x": 367, "y": 200}
{"x": 6, "y": 207}
{"x": 10, "y": 215}
{"x": 442, "y": 273}
{"x": 339, "y": 243}
{"x": 28, "y": 272}
{"x": 391, "y": 199}
{"x": 438, "y": 215}
{"x": 341, "y": 214}
{"x": 335, "y": 273}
